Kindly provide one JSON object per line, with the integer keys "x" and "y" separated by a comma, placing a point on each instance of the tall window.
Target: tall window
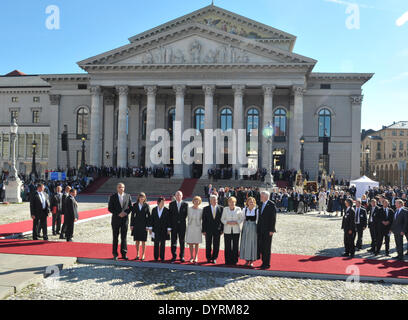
{"x": 82, "y": 122}
{"x": 199, "y": 116}
{"x": 144, "y": 120}
{"x": 279, "y": 124}
{"x": 6, "y": 146}
{"x": 226, "y": 119}
{"x": 14, "y": 115}
{"x": 324, "y": 123}
{"x": 171, "y": 117}
{"x": 21, "y": 146}
{"x": 36, "y": 116}
{"x": 252, "y": 128}
{"x": 45, "y": 142}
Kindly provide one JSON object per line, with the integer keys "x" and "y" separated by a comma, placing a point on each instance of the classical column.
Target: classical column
{"x": 267, "y": 117}
{"x": 123, "y": 92}
{"x": 297, "y": 129}
{"x": 95, "y": 159}
{"x": 208, "y": 124}
{"x": 356, "y": 102}
{"x": 150, "y": 121}
{"x": 180, "y": 91}
{"x": 108, "y": 129}
{"x": 134, "y": 115}
{"x": 53, "y": 149}
{"x": 239, "y": 124}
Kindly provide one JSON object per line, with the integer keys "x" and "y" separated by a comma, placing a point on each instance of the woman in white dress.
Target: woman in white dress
{"x": 194, "y": 235}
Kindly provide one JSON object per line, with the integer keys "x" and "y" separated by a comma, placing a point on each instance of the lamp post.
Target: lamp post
{"x": 82, "y": 168}
{"x": 34, "y": 173}
{"x": 302, "y": 154}
{"x": 268, "y": 134}
{"x": 367, "y": 152}
{"x": 13, "y": 185}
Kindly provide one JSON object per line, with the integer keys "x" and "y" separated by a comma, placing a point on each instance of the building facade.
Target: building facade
{"x": 210, "y": 69}
{"x": 382, "y": 151}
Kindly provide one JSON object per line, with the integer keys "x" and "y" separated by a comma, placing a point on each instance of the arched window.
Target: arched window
{"x": 199, "y": 116}
{"x": 324, "y": 123}
{"x": 279, "y": 124}
{"x": 226, "y": 119}
{"x": 144, "y": 120}
{"x": 252, "y": 120}
{"x": 82, "y": 122}
{"x": 171, "y": 117}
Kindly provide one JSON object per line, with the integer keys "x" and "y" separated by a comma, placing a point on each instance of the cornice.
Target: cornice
{"x": 26, "y": 91}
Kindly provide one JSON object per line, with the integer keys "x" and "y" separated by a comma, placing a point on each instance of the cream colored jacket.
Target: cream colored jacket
{"x": 228, "y": 216}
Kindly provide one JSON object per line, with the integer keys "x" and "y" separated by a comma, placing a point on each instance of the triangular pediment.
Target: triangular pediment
{"x": 229, "y": 22}
{"x": 196, "y": 43}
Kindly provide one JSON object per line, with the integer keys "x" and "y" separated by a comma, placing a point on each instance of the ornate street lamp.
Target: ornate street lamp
{"x": 34, "y": 173}
{"x": 302, "y": 154}
{"x": 107, "y": 155}
{"x": 13, "y": 184}
{"x": 267, "y": 132}
{"x": 367, "y": 152}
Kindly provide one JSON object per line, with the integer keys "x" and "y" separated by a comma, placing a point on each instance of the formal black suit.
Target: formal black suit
{"x": 160, "y": 226}
{"x": 385, "y": 215}
{"x": 71, "y": 213}
{"x": 120, "y": 225}
{"x": 266, "y": 224}
{"x": 40, "y": 211}
{"x": 56, "y": 206}
{"x": 213, "y": 228}
{"x": 373, "y": 225}
{"x": 178, "y": 227}
{"x": 400, "y": 224}
{"x": 63, "y": 201}
{"x": 361, "y": 224}
{"x": 140, "y": 220}
{"x": 348, "y": 224}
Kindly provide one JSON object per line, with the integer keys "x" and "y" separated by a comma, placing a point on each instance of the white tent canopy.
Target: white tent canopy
{"x": 363, "y": 184}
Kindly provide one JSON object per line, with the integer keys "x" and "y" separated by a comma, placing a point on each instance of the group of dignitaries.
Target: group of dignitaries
{"x": 60, "y": 204}
{"x": 382, "y": 221}
{"x": 183, "y": 224}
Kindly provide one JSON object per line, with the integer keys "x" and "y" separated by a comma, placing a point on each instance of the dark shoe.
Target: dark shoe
{"x": 173, "y": 259}
{"x": 62, "y": 236}
{"x": 209, "y": 261}
{"x": 352, "y": 255}
{"x": 376, "y": 253}
{"x": 182, "y": 260}
{"x": 125, "y": 258}
{"x": 57, "y": 232}
{"x": 54, "y": 233}
{"x": 115, "y": 258}
{"x": 345, "y": 255}
{"x": 69, "y": 240}
{"x": 387, "y": 254}
{"x": 406, "y": 254}
{"x": 137, "y": 258}
{"x": 214, "y": 261}
{"x": 370, "y": 250}
{"x": 46, "y": 239}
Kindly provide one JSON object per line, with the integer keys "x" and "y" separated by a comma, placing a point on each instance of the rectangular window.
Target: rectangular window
{"x": 14, "y": 115}
{"x": 29, "y": 146}
{"x": 378, "y": 146}
{"x": 14, "y": 99}
{"x": 82, "y": 86}
{"x": 45, "y": 139}
{"x": 36, "y": 99}
{"x": 394, "y": 133}
{"x": 6, "y": 146}
{"x": 401, "y": 133}
{"x": 325, "y": 86}
{"x": 21, "y": 146}
{"x": 36, "y": 116}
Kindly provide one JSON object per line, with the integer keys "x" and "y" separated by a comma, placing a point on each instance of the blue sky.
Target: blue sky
{"x": 89, "y": 27}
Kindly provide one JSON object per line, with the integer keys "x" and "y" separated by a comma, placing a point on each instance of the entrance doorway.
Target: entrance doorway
{"x": 279, "y": 159}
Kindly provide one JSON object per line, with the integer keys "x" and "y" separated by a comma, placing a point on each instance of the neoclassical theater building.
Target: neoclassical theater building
{"x": 210, "y": 69}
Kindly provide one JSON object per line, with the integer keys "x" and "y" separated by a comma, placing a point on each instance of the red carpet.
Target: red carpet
{"x": 27, "y": 225}
{"x": 95, "y": 185}
{"x": 279, "y": 262}
{"x": 187, "y": 187}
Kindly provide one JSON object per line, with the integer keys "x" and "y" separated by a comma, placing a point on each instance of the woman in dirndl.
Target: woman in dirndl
{"x": 249, "y": 238}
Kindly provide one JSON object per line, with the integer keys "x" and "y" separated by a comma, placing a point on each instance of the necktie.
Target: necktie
{"x": 178, "y": 206}
{"x": 358, "y": 216}
{"x": 213, "y": 212}
{"x": 396, "y": 215}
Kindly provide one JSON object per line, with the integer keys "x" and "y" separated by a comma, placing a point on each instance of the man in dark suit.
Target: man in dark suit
{"x": 349, "y": 227}
{"x": 212, "y": 229}
{"x": 65, "y": 195}
{"x": 71, "y": 214}
{"x": 178, "y": 214}
{"x": 399, "y": 227}
{"x": 39, "y": 210}
{"x": 385, "y": 219}
{"x": 373, "y": 225}
{"x": 160, "y": 229}
{"x": 266, "y": 229}
{"x": 56, "y": 210}
{"x": 360, "y": 222}
{"x": 120, "y": 205}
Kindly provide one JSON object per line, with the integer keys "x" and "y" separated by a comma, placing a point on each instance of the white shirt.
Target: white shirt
{"x": 213, "y": 210}
{"x": 42, "y": 198}
{"x": 159, "y": 211}
{"x": 250, "y": 213}
{"x": 121, "y": 199}
{"x": 140, "y": 206}
{"x": 178, "y": 205}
